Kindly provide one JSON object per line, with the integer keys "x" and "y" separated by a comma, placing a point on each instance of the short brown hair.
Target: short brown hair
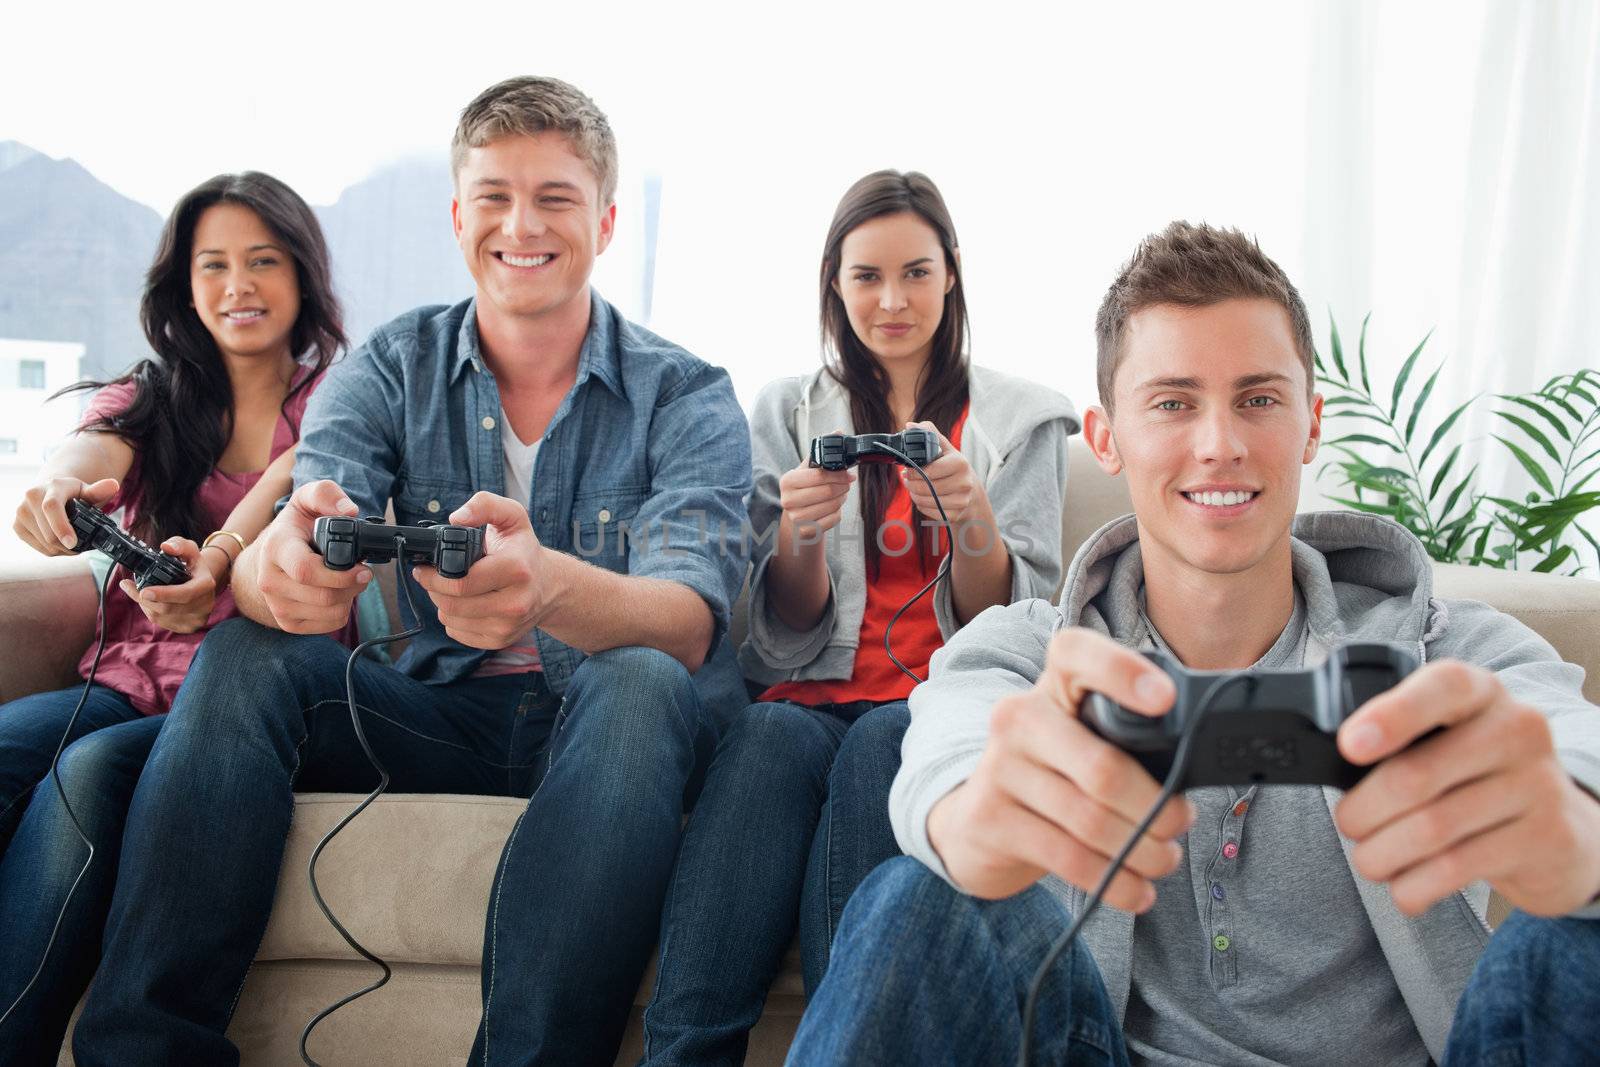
{"x": 1193, "y": 266}
{"x": 531, "y": 106}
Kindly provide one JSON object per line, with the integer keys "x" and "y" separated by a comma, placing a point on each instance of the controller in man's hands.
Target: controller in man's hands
{"x": 1264, "y": 727}
{"x": 343, "y": 542}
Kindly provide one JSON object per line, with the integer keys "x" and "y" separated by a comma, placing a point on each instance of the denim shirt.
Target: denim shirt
{"x": 648, "y": 451}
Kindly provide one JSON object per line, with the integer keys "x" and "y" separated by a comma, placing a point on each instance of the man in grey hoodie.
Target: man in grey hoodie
{"x": 1293, "y": 925}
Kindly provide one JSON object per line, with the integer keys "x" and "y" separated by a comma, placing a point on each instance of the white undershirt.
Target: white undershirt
{"x": 523, "y": 654}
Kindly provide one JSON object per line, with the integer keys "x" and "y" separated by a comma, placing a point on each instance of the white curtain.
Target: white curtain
{"x": 1452, "y": 185}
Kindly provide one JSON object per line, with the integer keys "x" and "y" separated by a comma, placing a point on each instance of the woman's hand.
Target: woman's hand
{"x": 42, "y": 522}
{"x": 184, "y": 608}
{"x": 952, "y": 476}
{"x": 812, "y": 498}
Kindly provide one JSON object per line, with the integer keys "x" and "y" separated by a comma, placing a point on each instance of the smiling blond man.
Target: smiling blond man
{"x": 579, "y": 664}
{"x": 1262, "y": 925}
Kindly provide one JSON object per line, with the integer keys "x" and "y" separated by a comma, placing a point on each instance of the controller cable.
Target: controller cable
{"x": 944, "y": 566}
{"x": 383, "y": 784}
{"x": 55, "y": 773}
{"x": 1180, "y": 763}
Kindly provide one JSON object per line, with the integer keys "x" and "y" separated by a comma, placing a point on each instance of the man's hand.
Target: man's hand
{"x": 42, "y": 522}
{"x": 503, "y": 596}
{"x": 1483, "y": 799}
{"x": 1049, "y": 796}
{"x": 304, "y": 596}
{"x": 183, "y": 608}
{"x": 953, "y": 479}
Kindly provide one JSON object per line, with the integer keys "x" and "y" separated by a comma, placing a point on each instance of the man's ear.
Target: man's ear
{"x": 455, "y": 217}
{"x": 1102, "y": 442}
{"x": 1315, "y": 438}
{"x": 608, "y": 228}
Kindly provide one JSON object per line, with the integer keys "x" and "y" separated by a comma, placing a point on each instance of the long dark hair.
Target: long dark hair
{"x": 181, "y": 417}
{"x": 942, "y": 387}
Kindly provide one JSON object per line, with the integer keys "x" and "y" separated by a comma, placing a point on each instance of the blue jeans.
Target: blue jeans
{"x": 576, "y": 898}
{"x": 925, "y": 974}
{"x": 99, "y": 769}
{"x": 794, "y": 814}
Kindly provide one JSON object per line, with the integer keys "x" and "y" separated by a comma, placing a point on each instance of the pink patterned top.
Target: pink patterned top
{"x": 142, "y": 661}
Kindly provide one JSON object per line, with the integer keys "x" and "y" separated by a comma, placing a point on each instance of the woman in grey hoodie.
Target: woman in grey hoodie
{"x": 794, "y": 814}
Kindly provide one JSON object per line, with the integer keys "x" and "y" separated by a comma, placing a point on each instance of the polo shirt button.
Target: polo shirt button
{"x": 605, "y": 515}
{"x": 1241, "y": 807}
{"x": 1221, "y": 942}
{"x": 1230, "y": 850}
{"x": 488, "y": 422}
{"x": 1216, "y": 890}
{"x": 433, "y": 506}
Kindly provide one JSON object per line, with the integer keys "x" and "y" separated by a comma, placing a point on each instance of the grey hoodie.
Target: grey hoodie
{"x": 1361, "y": 578}
{"x": 1015, "y": 437}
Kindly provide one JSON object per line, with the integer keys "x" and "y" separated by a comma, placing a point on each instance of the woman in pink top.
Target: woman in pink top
{"x": 194, "y": 445}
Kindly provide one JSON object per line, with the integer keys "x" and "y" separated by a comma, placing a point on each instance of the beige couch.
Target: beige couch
{"x": 411, "y": 877}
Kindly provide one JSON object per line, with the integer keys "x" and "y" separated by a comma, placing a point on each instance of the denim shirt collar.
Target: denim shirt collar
{"x": 599, "y": 356}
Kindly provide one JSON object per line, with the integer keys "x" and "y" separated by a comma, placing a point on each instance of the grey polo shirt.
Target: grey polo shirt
{"x": 1258, "y": 951}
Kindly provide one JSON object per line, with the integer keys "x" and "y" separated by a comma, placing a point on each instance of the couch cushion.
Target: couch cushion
{"x": 410, "y": 878}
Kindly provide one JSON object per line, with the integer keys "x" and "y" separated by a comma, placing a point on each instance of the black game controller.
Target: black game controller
{"x": 343, "y": 542}
{"x": 841, "y": 451}
{"x": 1274, "y": 728}
{"x": 97, "y": 530}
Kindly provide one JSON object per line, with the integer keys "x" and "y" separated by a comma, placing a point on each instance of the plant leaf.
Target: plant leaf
{"x": 1444, "y": 428}
{"x": 1361, "y": 349}
{"x": 1553, "y": 560}
{"x": 1534, "y": 433}
{"x": 1365, "y": 439}
{"x": 1586, "y": 479}
{"x": 1369, "y": 508}
{"x": 1533, "y": 469}
{"x": 1422, "y": 399}
{"x": 1338, "y": 348}
{"x": 1405, "y": 373}
{"x": 1589, "y": 537}
{"x": 1348, "y": 400}
{"x": 1543, "y": 412}
{"x": 1572, "y": 390}
{"x": 1438, "y": 479}
{"x": 1455, "y": 494}
{"x": 1561, "y": 402}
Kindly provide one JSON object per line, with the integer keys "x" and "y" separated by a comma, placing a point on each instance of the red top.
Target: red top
{"x": 142, "y": 661}
{"x": 916, "y": 635}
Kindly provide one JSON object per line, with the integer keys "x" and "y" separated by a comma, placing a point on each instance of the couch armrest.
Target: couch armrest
{"x": 47, "y": 616}
{"x": 1564, "y": 611}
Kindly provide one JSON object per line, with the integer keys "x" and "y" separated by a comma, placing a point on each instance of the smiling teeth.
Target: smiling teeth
{"x": 1219, "y": 500}
{"x": 524, "y": 261}
{"x": 243, "y": 316}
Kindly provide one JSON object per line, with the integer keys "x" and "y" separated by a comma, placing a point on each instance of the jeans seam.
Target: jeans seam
{"x": 499, "y": 885}
{"x": 494, "y": 928}
{"x": 28, "y": 792}
{"x": 827, "y": 875}
{"x": 233, "y": 1006}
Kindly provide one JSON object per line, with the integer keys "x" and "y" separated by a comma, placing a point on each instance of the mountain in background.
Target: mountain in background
{"x": 73, "y": 252}
{"x": 392, "y": 245}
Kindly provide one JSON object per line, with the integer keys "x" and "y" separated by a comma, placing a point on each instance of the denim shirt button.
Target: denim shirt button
{"x": 605, "y": 515}
{"x": 433, "y": 506}
{"x": 488, "y": 422}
